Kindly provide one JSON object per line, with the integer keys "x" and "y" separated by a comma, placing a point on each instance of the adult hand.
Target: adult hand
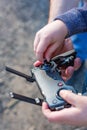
{"x": 75, "y": 115}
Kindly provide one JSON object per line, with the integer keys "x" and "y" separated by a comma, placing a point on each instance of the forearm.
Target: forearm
{"x": 75, "y": 20}
{"x": 58, "y": 7}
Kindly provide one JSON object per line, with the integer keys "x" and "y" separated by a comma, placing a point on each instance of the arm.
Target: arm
{"x": 51, "y": 38}
{"x": 75, "y": 20}
{"x": 58, "y": 7}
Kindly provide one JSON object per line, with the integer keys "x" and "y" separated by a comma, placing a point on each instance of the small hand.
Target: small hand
{"x": 68, "y": 72}
{"x": 67, "y": 46}
{"x": 49, "y": 39}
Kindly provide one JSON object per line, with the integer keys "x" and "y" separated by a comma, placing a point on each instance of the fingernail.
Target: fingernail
{"x": 63, "y": 92}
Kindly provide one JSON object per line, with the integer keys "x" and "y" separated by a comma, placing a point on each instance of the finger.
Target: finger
{"x": 70, "y": 97}
{"x": 36, "y": 41}
{"x": 67, "y": 74}
{"x": 45, "y": 109}
{"x": 77, "y": 63}
{"x": 37, "y": 63}
{"x": 41, "y": 48}
{"x": 52, "y": 49}
{"x": 63, "y": 116}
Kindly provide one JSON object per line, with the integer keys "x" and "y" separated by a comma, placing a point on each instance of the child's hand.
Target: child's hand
{"x": 49, "y": 40}
{"x": 75, "y": 115}
{"x": 66, "y": 74}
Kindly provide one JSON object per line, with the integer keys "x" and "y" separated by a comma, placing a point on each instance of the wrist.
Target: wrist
{"x": 62, "y": 28}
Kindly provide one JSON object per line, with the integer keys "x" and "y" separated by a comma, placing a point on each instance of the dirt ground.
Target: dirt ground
{"x": 19, "y": 21}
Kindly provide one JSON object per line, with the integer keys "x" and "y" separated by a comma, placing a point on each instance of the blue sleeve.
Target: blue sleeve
{"x": 75, "y": 20}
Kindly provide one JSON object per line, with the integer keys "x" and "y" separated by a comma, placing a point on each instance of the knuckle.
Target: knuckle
{"x": 50, "y": 119}
{"x": 45, "y": 37}
{"x": 38, "y": 34}
{"x": 38, "y": 52}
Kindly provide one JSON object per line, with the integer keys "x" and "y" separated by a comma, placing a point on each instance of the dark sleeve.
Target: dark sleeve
{"x": 75, "y": 20}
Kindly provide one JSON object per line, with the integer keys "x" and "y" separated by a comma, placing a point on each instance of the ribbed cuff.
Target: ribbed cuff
{"x": 74, "y": 21}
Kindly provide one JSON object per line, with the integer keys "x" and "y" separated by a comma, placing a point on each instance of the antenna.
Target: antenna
{"x": 36, "y": 101}
{"x": 27, "y": 77}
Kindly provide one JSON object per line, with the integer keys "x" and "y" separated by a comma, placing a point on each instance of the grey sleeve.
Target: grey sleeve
{"x": 75, "y": 20}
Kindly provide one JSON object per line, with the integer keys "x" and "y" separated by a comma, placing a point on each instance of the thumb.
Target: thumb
{"x": 69, "y": 96}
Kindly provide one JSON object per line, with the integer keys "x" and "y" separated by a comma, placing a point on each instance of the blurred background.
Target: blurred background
{"x": 19, "y": 21}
